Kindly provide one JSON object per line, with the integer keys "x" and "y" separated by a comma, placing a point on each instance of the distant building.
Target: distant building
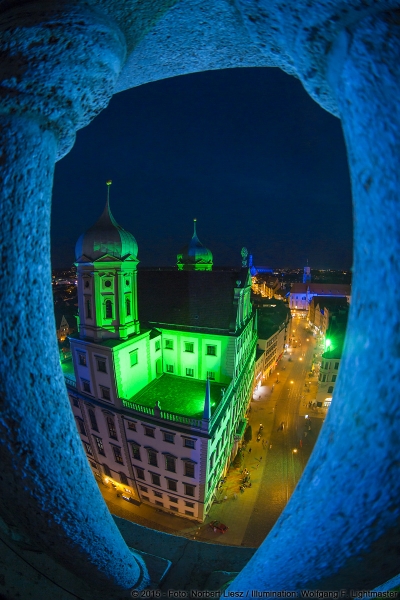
{"x": 162, "y": 371}
{"x": 330, "y": 360}
{"x": 307, "y": 274}
{"x": 273, "y": 326}
{"x": 324, "y": 309}
{"x": 301, "y": 294}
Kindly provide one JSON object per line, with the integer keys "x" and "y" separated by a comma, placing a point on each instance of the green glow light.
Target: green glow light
{"x": 328, "y": 343}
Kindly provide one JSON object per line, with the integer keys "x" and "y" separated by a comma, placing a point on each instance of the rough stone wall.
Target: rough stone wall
{"x": 59, "y": 64}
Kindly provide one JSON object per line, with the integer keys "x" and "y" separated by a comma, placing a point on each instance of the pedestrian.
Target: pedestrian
{"x": 261, "y": 458}
{"x": 249, "y": 450}
{"x": 225, "y": 498}
{"x": 235, "y": 496}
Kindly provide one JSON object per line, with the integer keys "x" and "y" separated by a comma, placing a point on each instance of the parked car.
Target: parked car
{"x": 218, "y": 526}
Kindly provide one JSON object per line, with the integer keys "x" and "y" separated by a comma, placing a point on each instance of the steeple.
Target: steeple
{"x": 194, "y": 256}
{"x": 307, "y": 274}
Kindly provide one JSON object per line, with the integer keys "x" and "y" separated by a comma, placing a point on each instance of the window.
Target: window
{"x": 330, "y": 389}
{"x": 143, "y": 488}
{"x": 128, "y": 307}
{"x": 158, "y": 503}
{"x": 212, "y": 460}
{"x": 123, "y": 478}
{"x": 333, "y": 378}
{"x": 189, "y": 504}
{"x": 86, "y": 386}
{"x": 88, "y": 448}
{"x": 133, "y": 358}
{"x": 324, "y": 377}
{"x": 189, "y": 469}
{"x": 189, "y": 490}
{"x": 189, "y": 346}
{"x": 93, "y": 420}
{"x": 109, "y": 310}
{"x": 107, "y": 283}
{"x": 75, "y": 402}
{"x": 170, "y": 368}
{"x": 171, "y": 485}
{"x": 111, "y": 428}
{"x": 107, "y": 471}
{"x": 188, "y": 443}
{"x": 136, "y": 452}
{"x": 149, "y": 432}
{"x": 101, "y": 365}
{"x": 189, "y": 512}
{"x": 86, "y": 283}
{"x": 169, "y": 344}
{"x": 169, "y": 437}
{"x": 155, "y": 479}
{"x": 211, "y": 375}
{"x": 131, "y": 425}
{"x": 105, "y": 393}
{"x": 172, "y": 499}
{"x": 88, "y": 309}
{"x": 140, "y": 474}
{"x": 157, "y": 345}
{"x": 81, "y": 426}
{"x": 117, "y": 455}
{"x": 99, "y": 444}
{"x": 189, "y": 372}
{"x": 170, "y": 464}
{"x": 93, "y": 465}
{"x": 211, "y": 350}
{"x": 152, "y": 455}
{"x": 174, "y": 508}
{"x": 82, "y": 359}
{"x": 336, "y": 365}
{"x": 157, "y": 494}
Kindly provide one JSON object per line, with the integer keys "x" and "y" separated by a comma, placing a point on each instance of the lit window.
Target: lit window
{"x": 88, "y": 448}
{"x": 133, "y": 358}
{"x": 211, "y": 350}
{"x": 101, "y": 365}
{"x": 189, "y": 504}
{"x": 170, "y": 464}
{"x": 136, "y": 452}
{"x": 158, "y": 503}
{"x": 82, "y": 359}
{"x": 211, "y": 375}
{"x": 189, "y": 347}
{"x": 169, "y": 344}
{"x": 93, "y": 420}
{"x": 132, "y": 425}
{"x": 188, "y": 443}
{"x": 169, "y": 437}
{"x": 189, "y": 372}
{"x": 140, "y": 474}
{"x": 189, "y": 490}
{"x": 143, "y": 488}
{"x": 111, "y": 428}
{"x": 189, "y": 513}
{"x": 170, "y": 368}
{"x": 155, "y": 479}
{"x": 157, "y": 494}
{"x": 149, "y": 432}
{"x": 109, "y": 309}
{"x": 171, "y": 485}
{"x": 152, "y": 456}
{"x": 173, "y": 499}
{"x": 117, "y": 455}
{"x": 188, "y": 469}
{"x": 99, "y": 444}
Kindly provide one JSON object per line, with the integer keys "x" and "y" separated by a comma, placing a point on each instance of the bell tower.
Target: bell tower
{"x": 106, "y": 261}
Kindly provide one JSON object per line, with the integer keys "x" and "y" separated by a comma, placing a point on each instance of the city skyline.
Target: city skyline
{"x": 248, "y": 139}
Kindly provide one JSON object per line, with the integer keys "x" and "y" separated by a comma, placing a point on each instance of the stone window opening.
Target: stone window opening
{"x": 108, "y": 309}
{"x": 93, "y": 420}
{"x": 111, "y": 428}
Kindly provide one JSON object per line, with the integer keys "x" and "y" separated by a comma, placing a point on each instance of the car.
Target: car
{"x": 218, "y": 526}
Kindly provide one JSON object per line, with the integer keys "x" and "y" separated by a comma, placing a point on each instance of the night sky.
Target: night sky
{"x": 245, "y": 151}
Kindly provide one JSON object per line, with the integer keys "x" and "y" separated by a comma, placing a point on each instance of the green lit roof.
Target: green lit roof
{"x": 179, "y": 395}
{"x": 67, "y": 367}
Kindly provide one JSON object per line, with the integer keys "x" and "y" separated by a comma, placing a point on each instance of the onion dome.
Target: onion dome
{"x": 106, "y": 237}
{"x": 194, "y": 256}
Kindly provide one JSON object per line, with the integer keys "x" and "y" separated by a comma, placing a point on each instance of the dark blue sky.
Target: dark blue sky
{"x": 245, "y": 151}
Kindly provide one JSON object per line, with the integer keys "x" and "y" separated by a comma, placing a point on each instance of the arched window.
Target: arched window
{"x": 128, "y": 307}
{"x": 111, "y": 428}
{"x": 109, "y": 310}
{"x": 330, "y": 389}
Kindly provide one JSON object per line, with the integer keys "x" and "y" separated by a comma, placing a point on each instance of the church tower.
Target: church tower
{"x": 106, "y": 261}
{"x": 307, "y": 274}
{"x": 194, "y": 256}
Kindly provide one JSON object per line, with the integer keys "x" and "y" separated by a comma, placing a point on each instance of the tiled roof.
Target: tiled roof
{"x": 322, "y": 289}
{"x": 198, "y": 299}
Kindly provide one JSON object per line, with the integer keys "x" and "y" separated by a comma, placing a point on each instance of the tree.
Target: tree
{"x": 248, "y": 434}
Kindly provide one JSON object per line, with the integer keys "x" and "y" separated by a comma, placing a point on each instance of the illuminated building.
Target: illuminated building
{"x": 301, "y": 294}
{"x": 160, "y": 401}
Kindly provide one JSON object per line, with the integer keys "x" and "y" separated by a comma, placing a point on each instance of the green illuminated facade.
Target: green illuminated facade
{"x": 160, "y": 404}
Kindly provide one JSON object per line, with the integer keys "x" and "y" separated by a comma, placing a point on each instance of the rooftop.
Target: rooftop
{"x": 68, "y": 368}
{"x": 179, "y": 395}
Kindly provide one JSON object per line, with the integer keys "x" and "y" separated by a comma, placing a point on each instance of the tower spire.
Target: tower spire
{"x": 108, "y": 184}
{"x": 194, "y": 226}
